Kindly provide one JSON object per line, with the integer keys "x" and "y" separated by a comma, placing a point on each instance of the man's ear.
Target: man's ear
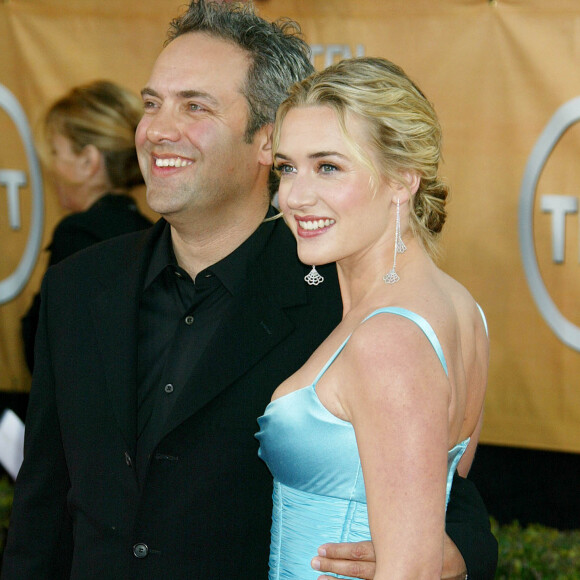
{"x": 264, "y": 137}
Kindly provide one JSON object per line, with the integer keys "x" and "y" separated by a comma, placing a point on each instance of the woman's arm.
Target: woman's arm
{"x": 397, "y": 398}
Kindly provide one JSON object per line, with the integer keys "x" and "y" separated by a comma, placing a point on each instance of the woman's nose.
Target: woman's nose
{"x": 300, "y": 193}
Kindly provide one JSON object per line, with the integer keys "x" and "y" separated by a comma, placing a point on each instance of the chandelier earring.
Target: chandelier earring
{"x": 313, "y": 278}
{"x": 392, "y": 277}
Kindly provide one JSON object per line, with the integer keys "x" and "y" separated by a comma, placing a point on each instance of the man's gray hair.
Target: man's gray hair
{"x": 279, "y": 56}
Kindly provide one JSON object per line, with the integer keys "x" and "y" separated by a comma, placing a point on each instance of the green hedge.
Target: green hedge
{"x": 531, "y": 553}
{"x": 536, "y": 552}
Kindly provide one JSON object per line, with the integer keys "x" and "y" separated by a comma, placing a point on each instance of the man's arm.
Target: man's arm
{"x": 467, "y": 524}
{"x": 39, "y": 543}
{"x": 470, "y": 545}
{"x": 358, "y": 560}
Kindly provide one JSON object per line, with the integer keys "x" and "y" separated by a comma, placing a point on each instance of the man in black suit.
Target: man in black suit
{"x": 158, "y": 351}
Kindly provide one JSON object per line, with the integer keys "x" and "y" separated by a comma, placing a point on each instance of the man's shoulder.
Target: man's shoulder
{"x": 122, "y": 251}
{"x": 103, "y": 221}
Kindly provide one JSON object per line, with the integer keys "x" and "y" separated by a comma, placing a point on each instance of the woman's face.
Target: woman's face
{"x": 68, "y": 173}
{"x": 326, "y": 193}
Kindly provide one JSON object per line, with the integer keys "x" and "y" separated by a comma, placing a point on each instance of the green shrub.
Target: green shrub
{"x": 537, "y": 553}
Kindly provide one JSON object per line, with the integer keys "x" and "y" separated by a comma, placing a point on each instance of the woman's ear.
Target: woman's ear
{"x": 90, "y": 160}
{"x": 407, "y": 187}
{"x": 413, "y": 181}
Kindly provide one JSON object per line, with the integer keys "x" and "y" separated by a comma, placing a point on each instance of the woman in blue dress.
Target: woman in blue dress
{"x": 364, "y": 439}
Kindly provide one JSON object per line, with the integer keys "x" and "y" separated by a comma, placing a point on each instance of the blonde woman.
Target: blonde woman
{"x": 363, "y": 441}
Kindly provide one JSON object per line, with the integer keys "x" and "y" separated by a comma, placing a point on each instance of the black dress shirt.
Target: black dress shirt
{"x": 177, "y": 319}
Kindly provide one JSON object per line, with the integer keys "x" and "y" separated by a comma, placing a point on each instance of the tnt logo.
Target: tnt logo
{"x": 11, "y": 183}
{"x": 559, "y": 206}
{"x": 559, "y": 209}
{"x": 330, "y": 53}
{"x": 13, "y": 180}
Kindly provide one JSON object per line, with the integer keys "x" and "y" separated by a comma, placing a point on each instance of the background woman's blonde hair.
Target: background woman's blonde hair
{"x": 402, "y": 126}
{"x": 105, "y": 115}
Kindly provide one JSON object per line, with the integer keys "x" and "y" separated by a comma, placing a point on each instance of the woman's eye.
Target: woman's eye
{"x": 284, "y": 168}
{"x": 195, "y": 107}
{"x": 327, "y": 167}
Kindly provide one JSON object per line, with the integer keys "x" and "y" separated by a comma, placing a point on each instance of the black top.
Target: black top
{"x": 110, "y": 216}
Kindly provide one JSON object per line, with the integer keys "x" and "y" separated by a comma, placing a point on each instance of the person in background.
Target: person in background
{"x": 394, "y": 402}
{"x": 89, "y": 144}
{"x": 140, "y": 459}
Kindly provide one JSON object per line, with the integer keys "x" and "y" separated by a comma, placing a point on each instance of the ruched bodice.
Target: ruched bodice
{"x": 319, "y": 494}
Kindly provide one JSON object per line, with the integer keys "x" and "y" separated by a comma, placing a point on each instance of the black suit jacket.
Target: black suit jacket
{"x": 204, "y": 508}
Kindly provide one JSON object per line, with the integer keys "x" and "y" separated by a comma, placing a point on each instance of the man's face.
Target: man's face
{"x": 190, "y": 141}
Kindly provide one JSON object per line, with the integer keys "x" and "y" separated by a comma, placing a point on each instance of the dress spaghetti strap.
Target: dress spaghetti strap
{"x": 414, "y": 317}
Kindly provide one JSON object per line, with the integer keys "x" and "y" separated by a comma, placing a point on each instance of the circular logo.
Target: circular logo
{"x": 563, "y": 118}
{"x": 11, "y": 286}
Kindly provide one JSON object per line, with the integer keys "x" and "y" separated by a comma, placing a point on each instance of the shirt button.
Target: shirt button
{"x": 140, "y": 550}
{"x": 169, "y": 388}
{"x": 189, "y": 320}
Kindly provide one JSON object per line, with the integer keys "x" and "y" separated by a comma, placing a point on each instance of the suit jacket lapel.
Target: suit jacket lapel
{"x": 115, "y": 312}
{"x": 256, "y": 324}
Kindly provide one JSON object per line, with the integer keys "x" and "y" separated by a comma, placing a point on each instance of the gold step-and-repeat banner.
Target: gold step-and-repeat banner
{"x": 505, "y": 79}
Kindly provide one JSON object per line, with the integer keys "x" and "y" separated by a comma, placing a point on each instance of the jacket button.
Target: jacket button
{"x": 140, "y": 550}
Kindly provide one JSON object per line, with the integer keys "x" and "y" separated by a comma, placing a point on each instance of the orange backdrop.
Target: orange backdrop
{"x": 498, "y": 73}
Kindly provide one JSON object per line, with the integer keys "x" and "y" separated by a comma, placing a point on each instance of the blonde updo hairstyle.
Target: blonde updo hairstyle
{"x": 402, "y": 126}
{"x": 103, "y": 114}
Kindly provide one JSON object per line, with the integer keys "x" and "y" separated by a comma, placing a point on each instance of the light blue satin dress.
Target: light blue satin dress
{"x": 319, "y": 493}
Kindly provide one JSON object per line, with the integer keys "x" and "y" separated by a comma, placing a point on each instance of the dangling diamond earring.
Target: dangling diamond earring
{"x": 313, "y": 278}
{"x": 400, "y": 248}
